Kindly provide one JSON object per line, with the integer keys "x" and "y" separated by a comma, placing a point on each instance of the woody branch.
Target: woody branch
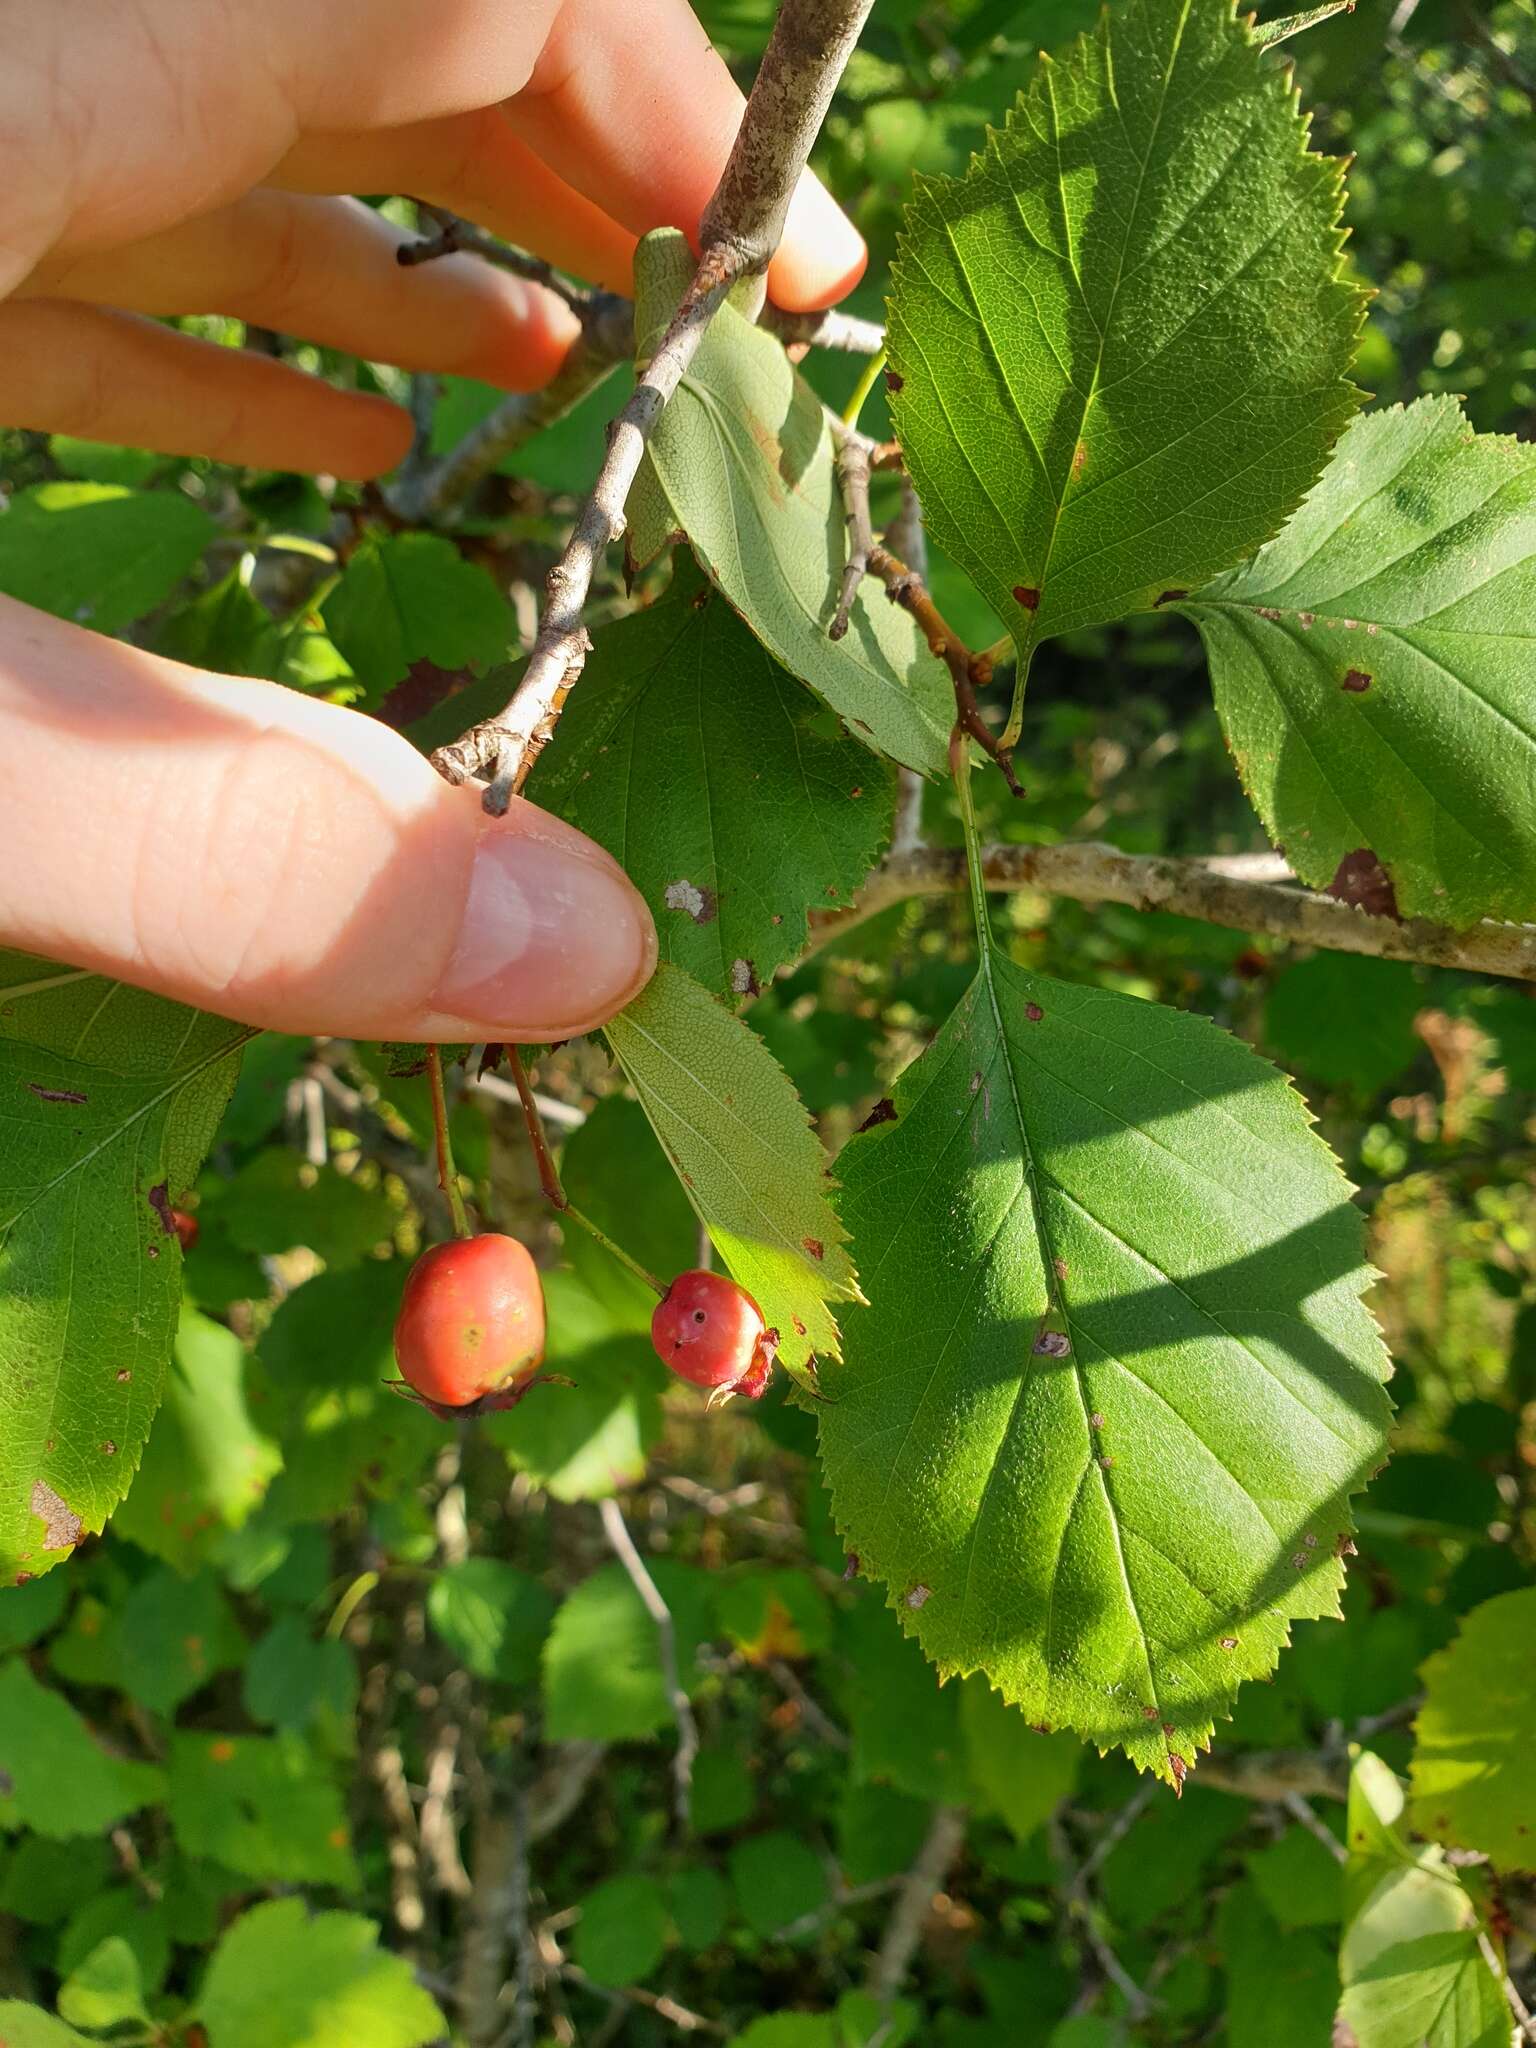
{"x": 811, "y": 43}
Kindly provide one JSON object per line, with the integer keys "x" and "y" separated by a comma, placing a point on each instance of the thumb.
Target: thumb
{"x": 284, "y": 862}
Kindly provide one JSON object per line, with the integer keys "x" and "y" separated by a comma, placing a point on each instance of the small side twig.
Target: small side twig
{"x": 1299, "y": 1810}
{"x": 622, "y": 1543}
{"x": 1082, "y": 1911}
{"x": 812, "y": 1713}
{"x": 455, "y": 236}
{"x": 680, "y": 2016}
{"x": 904, "y": 1930}
{"x": 853, "y": 478}
{"x": 968, "y": 672}
{"x": 740, "y": 229}
{"x": 1525, "y": 2025}
{"x": 387, "y": 1770}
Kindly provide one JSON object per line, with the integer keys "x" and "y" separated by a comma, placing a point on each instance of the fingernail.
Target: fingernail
{"x": 554, "y": 937}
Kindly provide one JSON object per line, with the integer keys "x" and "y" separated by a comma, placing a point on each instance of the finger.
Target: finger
{"x": 287, "y": 863}
{"x": 475, "y": 166}
{"x": 325, "y": 269}
{"x": 633, "y": 107}
{"x": 110, "y": 376}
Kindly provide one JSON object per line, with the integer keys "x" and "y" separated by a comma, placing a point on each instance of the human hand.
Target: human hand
{"x": 231, "y": 843}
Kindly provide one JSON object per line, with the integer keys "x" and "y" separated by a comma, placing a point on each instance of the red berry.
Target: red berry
{"x": 185, "y": 1227}
{"x": 471, "y": 1329}
{"x": 711, "y": 1332}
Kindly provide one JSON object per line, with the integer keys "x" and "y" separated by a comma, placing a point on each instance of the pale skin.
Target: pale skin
{"x": 231, "y": 843}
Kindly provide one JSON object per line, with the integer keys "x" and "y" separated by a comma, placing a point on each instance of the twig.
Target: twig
{"x": 562, "y": 1785}
{"x": 741, "y": 226}
{"x": 1272, "y": 1776}
{"x": 814, "y": 1715}
{"x": 1298, "y": 1808}
{"x": 1082, "y": 1910}
{"x": 946, "y": 1834}
{"x": 1215, "y": 891}
{"x": 456, "y": 236}
{"x": 665, "y": 2008}
{"x": 1124, "y": 1820}
{"x": 842, "y": 1901}
{"x": 388, "y": 1773}
{"x": 1525, "y": 2026}
{"x": 623, "y": 1545}
{"x": 968, "y": 672}
{"x": 853, "y": 479}
{"x": 842, "y": 332}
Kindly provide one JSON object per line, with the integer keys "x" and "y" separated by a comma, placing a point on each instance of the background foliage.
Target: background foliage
{"x": 327, "y": 1649}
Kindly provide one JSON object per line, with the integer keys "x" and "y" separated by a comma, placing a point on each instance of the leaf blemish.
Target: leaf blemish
{"x": 1229, "y": 1642}
{"x": 1097, "y": 1421}
{"x": 1052, "y": 1344}
{"x": 160, "y": 1201}
{"x": 815, "y": 1247}
{"x": 744, "y": 981}
{"x": 1026, "y": 595}
{"x": 1033, "y": 1012}
{"x": 884, "y": 1112}
{"x": 1169, "y": 597}
{"x": 919, "y": 1596}
{"x": 62, "y": 1527}
{"x": 55, "y": 1094}
{"x": 1356, "y": 681}
{"x": 702, "y": 905}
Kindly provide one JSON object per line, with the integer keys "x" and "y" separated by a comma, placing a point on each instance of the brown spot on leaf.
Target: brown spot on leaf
{"x": 1106, "y": 1463}
{"x": 799, "y": 1327}
{"x": 851, "y": 1566}
{"x": 815, "y": 1247}
{"x": 919, "y": 1596}
{"x": 884, "y": 1112}
{"x": 1169, "y": 597}
{"x": 856, "y": 792}
{"x": 1079, "y": 457}
{"x": 1060, "y": 1266}
{"x": 55, "y": 1094}
{"x": 1356, "y": 681}
{"x": 1097, "y": 1421}
{"x": 1033, "y": 1012}
{"x": 1180, "y": 1771}
{"x": 894, "y": 380}
{"x": 160, "y": 1202}
{"x": 109, "y": 1449}
{"x": 744, "y": 981}
{"x": 1026, "y": 595}
{"x": 1052, "y": 1344}
{"x": 1229, "y": 1642}
{"x": 1149, "y": 1713}
{"x": 1345, "y": 1546}
{"x": 222, "y": 1751}
{"x": 1361, "y": 880}
{"x": 62, "y": 1527}
{"x": 123, "y": 1375}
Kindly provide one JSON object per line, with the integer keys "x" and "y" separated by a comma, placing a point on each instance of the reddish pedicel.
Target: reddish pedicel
{"x": 711, "y": 1333}
{"x": 470, "y": 1336}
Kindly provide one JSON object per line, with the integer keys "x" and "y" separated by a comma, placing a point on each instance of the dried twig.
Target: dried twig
{"x": 623, "y": 1545}
{"x": 946, "y": 1834}
{"x": 679, "y": 2016}
{"x": 456, "y": 236}
{"x": 1083, "y": 1912}
{"x": 1216, "y": 890}
{"x": 1525, "y": 2025}
{"x": 811, "y": 42}
{"x": 388, "y": 1773}
{"x": 812, "y": 1713}
{"x": 1298, "y": 1808}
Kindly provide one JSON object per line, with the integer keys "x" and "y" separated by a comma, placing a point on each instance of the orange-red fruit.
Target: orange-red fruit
{"x": 185, "y": 1227}
{"x": 471, "y": 1325}
{"x": 711, "y": 1332}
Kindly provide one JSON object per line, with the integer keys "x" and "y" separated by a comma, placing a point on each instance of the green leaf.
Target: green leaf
{"x": 46, "y": 1881}
{"x": 493, "y": 1618}
{"x": 1281, "y": 1988}
{"x": 109, "y": 1099}
{"x": 622, "y": 1933}
{"x": 97, "y": 553}
{"x": 729, "y": 1120}
{"x": 29, "y": 1611}
{"x": 120, "y": 1912}
{"x": 700, "y": 1905}
{"x": 1434, "y": 1992}
{"x": 905, "y": 1726}
{"x": 284, "y": 1978}
{"x": 707, "y": 772}
{"x": 104, "y": 1990}
{"x": 54, "y": 1776}
{"x": 602, "y": 1667}
{"x": 206, "y": 1466}
{"x": 1298, "y": 1880}
{"x": 277, "y": 1200}
{"x": 28, "y": 2026}
{"x": 776, "y": 1878}
{"x": 1475, "y": 1735}
{"x": 1119, "y": 346}
{"x": 294, "y": 1679}
{"x": 1413, "y": 1974}
{"x": 770, "y": 1614}
{"x": 1372, "y": 668}
{"x": 617, "y": 1174}
{"x": 226, "y": 628}
{"x": 777, "y": 2030}
{"x": 1344, "y": 1021}
{"x": 742, "y": 462}
{"x": 261, "y": 1805}
{"x": 1015, "y": 1770}
{"x": 174, "y": 1635}
{"x": 412, "y": 597}
{"x": 1099, "y": 1428}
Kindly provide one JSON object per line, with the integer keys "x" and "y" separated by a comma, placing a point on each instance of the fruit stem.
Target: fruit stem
{"x": 549, "y": 1176}
{"x": 960, "y": 769}
{"x": 447, "y": 1173}
{"x": 862, "y": 389}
